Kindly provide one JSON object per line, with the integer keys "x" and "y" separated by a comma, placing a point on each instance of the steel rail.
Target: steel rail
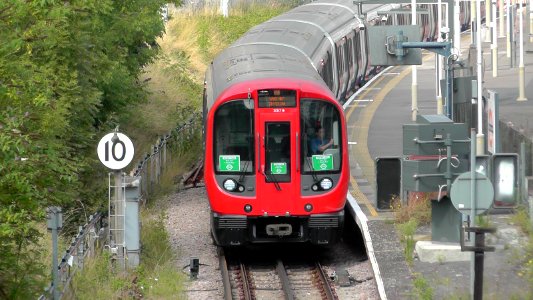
{"x": 246, "y": 286}
{"x": 330, "y": 295}
{"x": 225, "y": 273}
{"x": 285, "y": 283}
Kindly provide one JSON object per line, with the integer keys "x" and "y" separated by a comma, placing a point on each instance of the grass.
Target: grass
{"x": 423, "y": 290}
{"x": 522, "y": 220}
{"x": 407, "y": 217}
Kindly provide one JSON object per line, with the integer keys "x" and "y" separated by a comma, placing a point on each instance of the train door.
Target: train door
{"x": 278, "y": 186}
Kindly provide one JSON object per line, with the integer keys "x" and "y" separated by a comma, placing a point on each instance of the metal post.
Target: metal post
{"x": 438, "y": 59}
{"x": 500, "y": 15}
{"x": 473, "y": 26}
{"x": 414, "y": 85}
{"x": 457, "y": 27}
{"x": 521, "y": 68}
{"x": 81, "y": 249}
{"x": 472, "y": 204}
{"x": 528, "y": 21}
{"x": 119, "y": 217}
{"x": 488, "y": 20}
{"x": 54, "y": 223}
{"x": 478, "y": 265}
{"x": 509, "y": 30}
{"x": 449, "y": 89}
{"x": 522, "y": 178}
{"x": 480, "y": 136}
{"x": 494, "y": 45}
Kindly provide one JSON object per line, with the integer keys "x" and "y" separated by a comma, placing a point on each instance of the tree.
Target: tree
{"x": 67, "y": 71}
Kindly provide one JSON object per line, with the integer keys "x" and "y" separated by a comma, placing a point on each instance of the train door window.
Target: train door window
{"x": 326, "y": 70}
{"x": 350, "y": 52}
{"x": 346, "y": 56}
{"x": 234, "y": 137}
{"x": 320, "y": 148}
{"x": 278, "y": 151}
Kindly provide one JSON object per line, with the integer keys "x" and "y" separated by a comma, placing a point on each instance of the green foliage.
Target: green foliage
{"x": 158, "y": 275}
{"x": 99, "y": 281}
{"x": 423, "y": 290}
{"x": 521, "y": 218}
{"x": 216, "y": 30}
{"x": 407, "y": 231}
{"x": 67, "y": 70}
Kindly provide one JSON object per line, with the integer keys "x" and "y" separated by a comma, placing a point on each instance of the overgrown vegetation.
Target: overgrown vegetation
{"x": 408, "y": 216}
{"x": 522, "y": 219}
{"x": 423, "y": 290}
{"x": 67, "y": 71}
{"x": 156, "y": 277}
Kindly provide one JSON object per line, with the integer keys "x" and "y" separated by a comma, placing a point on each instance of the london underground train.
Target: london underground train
{"x": 276, "y": 164}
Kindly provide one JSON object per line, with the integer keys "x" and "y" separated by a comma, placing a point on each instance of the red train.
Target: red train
{"x": 276, "y": 152}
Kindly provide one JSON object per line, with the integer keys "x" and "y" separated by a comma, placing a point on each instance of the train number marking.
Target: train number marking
{"x": 278, "y": 110}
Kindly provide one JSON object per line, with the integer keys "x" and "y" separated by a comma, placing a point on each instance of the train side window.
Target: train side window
{"x": 321, "y": 136}
{"x": 234, "y": 137}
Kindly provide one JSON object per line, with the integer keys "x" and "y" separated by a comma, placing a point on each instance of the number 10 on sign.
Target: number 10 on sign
{"x": 115, "y": 153}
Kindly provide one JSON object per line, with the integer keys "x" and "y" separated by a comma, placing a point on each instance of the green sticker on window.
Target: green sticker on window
{"x": 229, "y": 163}
{"x": 323, "y": 162}
{"x": 278, "y": 168}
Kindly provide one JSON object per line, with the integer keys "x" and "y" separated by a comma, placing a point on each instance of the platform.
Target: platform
{"x": 375, "y": 121}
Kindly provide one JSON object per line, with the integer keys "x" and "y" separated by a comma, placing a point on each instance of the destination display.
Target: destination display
{"x": 276, "y": 98}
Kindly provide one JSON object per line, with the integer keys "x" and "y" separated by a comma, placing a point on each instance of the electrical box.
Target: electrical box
{"x": 425, "y": 150}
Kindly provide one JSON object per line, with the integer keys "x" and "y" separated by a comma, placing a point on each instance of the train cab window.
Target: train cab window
{"x": 321, "y": 136}
{"x": 234, "y": 137}
{"x": 278, "y": 152}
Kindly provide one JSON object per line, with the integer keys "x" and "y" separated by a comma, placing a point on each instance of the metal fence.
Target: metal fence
{"x": 92, "y": 236}
{"x": 89, "y": 238}
{"x": 173, "y": 144}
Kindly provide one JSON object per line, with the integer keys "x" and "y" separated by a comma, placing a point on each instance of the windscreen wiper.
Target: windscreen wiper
{"x": 313, "y": 172}
{"x": 273, "y": 180}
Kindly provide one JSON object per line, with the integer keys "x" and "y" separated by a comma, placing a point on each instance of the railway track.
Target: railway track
{"x": 274, "y": 279}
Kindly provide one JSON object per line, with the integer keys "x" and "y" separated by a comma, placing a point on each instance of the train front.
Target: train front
{"x": 276, "y": 167}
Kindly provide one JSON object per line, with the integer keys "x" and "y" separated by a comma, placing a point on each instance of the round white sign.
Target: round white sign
{"x": 115, "y": 153}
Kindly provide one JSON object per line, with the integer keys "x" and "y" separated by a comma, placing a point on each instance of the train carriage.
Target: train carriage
{"x": 276, "y": 153}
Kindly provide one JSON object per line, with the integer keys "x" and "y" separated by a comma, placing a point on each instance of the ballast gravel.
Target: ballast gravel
{"x": 188, "y": 228}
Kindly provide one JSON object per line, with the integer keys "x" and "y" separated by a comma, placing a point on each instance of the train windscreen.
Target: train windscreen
{"x": 321, "y": 136}
{"x": 234, "y": 138}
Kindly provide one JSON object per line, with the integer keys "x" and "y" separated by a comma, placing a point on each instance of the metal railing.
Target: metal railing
{"x": 83, "y": 246}
{"x": 172, "y": 144}
{"x": 92, "y": 235}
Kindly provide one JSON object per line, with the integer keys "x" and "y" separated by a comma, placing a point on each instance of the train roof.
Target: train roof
{"x": 290, "y": 45}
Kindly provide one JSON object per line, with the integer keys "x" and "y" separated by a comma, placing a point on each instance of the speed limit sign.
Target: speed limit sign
{"x": 115, "y": 150}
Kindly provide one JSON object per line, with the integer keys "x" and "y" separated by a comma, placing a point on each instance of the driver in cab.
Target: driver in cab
{"x": 318, "y": 145}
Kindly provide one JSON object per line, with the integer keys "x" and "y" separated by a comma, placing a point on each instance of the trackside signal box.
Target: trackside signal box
{"x": 428, "y": 147}
{"x": 435, "y": 151}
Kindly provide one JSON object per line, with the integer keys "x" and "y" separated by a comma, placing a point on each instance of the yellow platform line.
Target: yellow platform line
{"x": 361, "y": 149}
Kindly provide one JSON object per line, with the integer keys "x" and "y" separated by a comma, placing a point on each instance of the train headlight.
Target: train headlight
{"x": 230, "y": 185}
{"x": 326, "y": 184}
